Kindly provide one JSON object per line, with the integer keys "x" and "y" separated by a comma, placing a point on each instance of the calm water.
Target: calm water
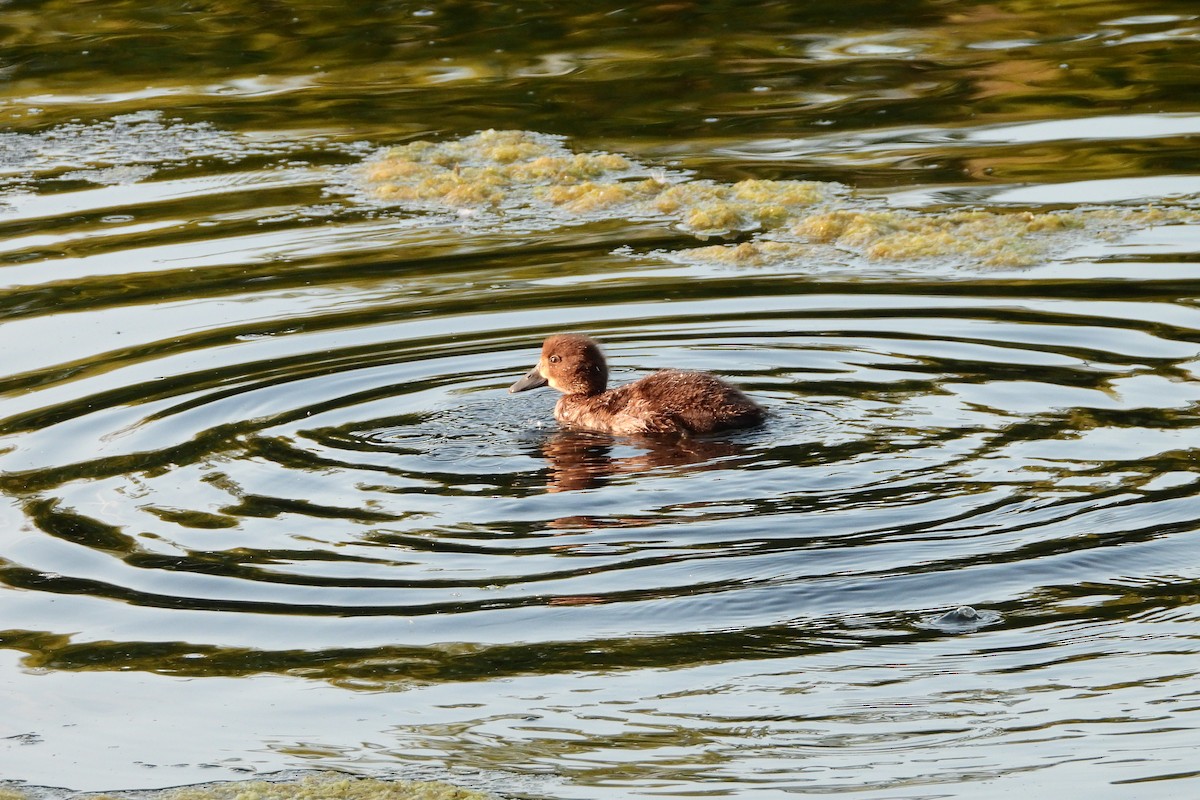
{"x": 266, "y": 503}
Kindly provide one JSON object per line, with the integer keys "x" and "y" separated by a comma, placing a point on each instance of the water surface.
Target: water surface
{"x": 266, "y": 503}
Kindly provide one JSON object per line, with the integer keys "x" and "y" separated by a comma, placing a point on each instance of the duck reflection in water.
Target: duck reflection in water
{"x": 668, "y": 402}
{"x": 585, "y": 460}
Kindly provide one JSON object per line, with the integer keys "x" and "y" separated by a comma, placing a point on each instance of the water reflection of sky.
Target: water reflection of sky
{"x": 267, "y": 504}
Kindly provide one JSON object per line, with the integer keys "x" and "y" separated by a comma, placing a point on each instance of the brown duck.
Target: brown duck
{"x": 670, "y": 401}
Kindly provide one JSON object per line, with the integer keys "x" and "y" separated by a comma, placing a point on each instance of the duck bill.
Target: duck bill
{"x": 532, "y": 380}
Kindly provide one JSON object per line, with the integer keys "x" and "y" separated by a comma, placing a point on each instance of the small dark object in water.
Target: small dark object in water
{"x": 960, "y": 615}
{"x": 963, "y": 619}
{"x": 670, "y": 401}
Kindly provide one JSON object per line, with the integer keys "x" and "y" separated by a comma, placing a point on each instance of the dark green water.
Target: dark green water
{"x": 266, "y": 503}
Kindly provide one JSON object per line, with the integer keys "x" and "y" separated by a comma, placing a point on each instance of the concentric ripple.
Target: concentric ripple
{"x": 924, "y": 451}
{"x": 255, "y": 431}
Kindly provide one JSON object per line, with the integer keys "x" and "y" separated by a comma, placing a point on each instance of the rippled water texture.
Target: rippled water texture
{"x": 267, "y": 505}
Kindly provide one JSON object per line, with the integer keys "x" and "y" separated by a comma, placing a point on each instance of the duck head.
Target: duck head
{"x": 570, "y": 363}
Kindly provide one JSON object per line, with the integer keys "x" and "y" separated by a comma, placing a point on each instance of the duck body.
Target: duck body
{"x": 671, "y": 401}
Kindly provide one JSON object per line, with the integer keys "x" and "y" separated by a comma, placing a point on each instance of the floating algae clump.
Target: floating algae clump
{"x": 589, "y": 197}
{"x": 490, "y": 168}
{"x": 535, "y": 180}
{"x": 325, "y": 786}
{"x": 984, "y": 238}
{"x": 520, "y": 171}
{"x": 750, "y": 254}
{"x": 993, "y": 239}
{"x": 707, "y": 207}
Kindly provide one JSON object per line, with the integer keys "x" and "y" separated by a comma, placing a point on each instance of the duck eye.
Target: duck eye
{"x": 555, "y": 359}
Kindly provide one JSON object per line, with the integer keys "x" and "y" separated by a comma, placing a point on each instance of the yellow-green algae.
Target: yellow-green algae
{"x": 990, "y": 239}
{"x": 323, "y": 786}
{"x": 483, "y": 169}
{"x": 509, "y": 170}
{"x": 528, "y": 174}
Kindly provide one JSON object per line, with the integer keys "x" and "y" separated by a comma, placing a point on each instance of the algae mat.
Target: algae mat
{"x": 522, "y": 179}
{"x": 318, "y": 786}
